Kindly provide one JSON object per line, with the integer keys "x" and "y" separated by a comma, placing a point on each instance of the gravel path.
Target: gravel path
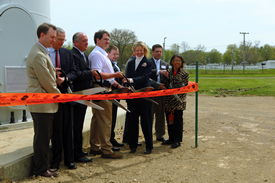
{"x": 236, "y": 144}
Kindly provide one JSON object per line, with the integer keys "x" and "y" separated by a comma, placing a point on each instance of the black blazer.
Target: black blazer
{"x": 153, "y": 75}
{"x": 83, "y": 72}
{"x": 141, "y": 75}
{"x": 67, "y": 65}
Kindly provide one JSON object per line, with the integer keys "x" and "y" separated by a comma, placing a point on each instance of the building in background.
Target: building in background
{"x": 19, "y": 20}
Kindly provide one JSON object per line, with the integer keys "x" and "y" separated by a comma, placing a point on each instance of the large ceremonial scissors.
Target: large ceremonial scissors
{"x": 146, "y": 89}
{"x": 89, "y": 91}
{"x": 120, "y": 90}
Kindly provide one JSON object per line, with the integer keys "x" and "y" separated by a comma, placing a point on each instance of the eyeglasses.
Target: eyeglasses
{"x": 176, "y": 60}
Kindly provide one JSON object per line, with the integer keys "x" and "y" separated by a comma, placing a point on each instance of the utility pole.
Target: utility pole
{"x": 244, "y": 33}
{"x": 163, "y": 50}
{"x": 205, "y": 63}
{"x": 232, "y": 62}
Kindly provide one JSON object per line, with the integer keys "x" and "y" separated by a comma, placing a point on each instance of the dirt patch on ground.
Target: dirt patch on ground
{"x": 236, "y": 144}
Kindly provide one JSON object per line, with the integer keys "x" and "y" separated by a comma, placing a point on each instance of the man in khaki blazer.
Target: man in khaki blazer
{"x": 42, "y": 79}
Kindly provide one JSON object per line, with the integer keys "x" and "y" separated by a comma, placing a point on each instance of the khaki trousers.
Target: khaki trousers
{"x": 101, "y": 125}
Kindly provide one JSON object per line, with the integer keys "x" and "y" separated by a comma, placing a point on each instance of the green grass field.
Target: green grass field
{"x": 251, "y": 83}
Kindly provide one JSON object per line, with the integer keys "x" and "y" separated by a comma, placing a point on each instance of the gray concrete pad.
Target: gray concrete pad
{"x": 16, "y": 150}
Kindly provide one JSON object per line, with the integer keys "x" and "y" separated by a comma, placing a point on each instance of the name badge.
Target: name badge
{"x": 163, "y": 66}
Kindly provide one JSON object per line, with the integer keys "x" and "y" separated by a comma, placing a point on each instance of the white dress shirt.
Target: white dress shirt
{"x": 138, "y": 59}
{"x": 98, "y": 60}
{"x": 52, "y": 55}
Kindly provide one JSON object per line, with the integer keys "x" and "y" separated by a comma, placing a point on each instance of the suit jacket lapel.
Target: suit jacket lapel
{"x": 81, "y": 57}
{"x": 154, "y": 63}
{"x": 139, "y": 65}
{"x": 131, "y": 66}
{"x": 62, "y": 59}
{"x": 87, "y": 61}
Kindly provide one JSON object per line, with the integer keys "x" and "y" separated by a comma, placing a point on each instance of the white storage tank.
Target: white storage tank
{"x": 19, "y": 20}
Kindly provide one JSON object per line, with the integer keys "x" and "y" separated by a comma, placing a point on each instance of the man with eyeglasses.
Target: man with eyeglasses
{"x": 159, "y": 71}
{"x": 62, "y": 137}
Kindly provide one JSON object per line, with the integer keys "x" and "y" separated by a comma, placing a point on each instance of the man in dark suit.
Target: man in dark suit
{"x": 113, "y": 54}
{"x": 42, "y": 79}
{"x": 62, "y": 137}
{"x": 82, "y": 82}
{"x": 159, "y": 71}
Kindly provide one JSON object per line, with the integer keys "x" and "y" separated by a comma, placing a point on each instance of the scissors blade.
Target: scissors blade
{"x": 90, "y": 91}
{"x": 140, "y": 90}
{"x": 69, "y": 90}
{"x": 90, "y": 104}
{"x": 178, "y": 98}
{"x": 120, "y": 105}
{"x": 119, "y": 90}
{"x": 151, "y": 100}
{"x": 146, "y": 89}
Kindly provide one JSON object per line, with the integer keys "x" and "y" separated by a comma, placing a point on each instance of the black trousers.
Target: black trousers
{"x": 175, "y": 130}
{"x": 43, "y": 125}
{"x": 114, "y": 116}
{"x": 79, "y": 116}
{"x": 144, "y": 111}
{"x": 62, "y": 137}
{"x": 125, "y": 133}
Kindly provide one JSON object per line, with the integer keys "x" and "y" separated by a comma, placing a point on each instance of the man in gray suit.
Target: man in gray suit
{"x": 159, "y": 70}
{"x": 42, "y": 79}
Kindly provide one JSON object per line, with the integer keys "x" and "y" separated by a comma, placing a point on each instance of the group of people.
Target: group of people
{"x": 53, "y": 69}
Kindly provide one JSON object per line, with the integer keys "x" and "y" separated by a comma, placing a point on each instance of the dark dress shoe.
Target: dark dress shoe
{"x": 133, "y": 150}
{"x": 85, "y": 153}
{"x": 162, "y": 139}
{"x": 167, "y": 142}
{"x": 115, "y": 149}
{"x": 147, "y": 151}
{"x": 55, "y": 167}
{"x": 111, "y": 156}
{"x": 71, "y": 165}
{"x": 84, "y": 159}
{"x": 116, "y": 144}
{"x": 139, "y": 144}
{"x": 99, "y": 152}
{"x": 175, "y": 145}
{"x": 49, "y": 174}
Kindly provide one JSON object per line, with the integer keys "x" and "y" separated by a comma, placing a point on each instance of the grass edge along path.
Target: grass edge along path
{"x": 250, "y": 84}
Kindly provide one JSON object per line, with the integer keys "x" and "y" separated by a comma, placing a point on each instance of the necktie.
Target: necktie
{"x": 158, "y": 68}
{"x": 57, "y": 62}
{"x": 116, "y": 66}
{"x": 85, "y": 59}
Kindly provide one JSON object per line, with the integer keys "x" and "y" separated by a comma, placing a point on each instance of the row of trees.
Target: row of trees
{"x": 124, "y": 40}
{"x": 253, "y": 53}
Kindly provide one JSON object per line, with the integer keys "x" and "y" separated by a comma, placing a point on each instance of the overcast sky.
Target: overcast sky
{"x": 212, "y": 23}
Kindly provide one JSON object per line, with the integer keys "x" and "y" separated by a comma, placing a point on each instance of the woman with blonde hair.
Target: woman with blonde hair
{"x": 138, "y": 71}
